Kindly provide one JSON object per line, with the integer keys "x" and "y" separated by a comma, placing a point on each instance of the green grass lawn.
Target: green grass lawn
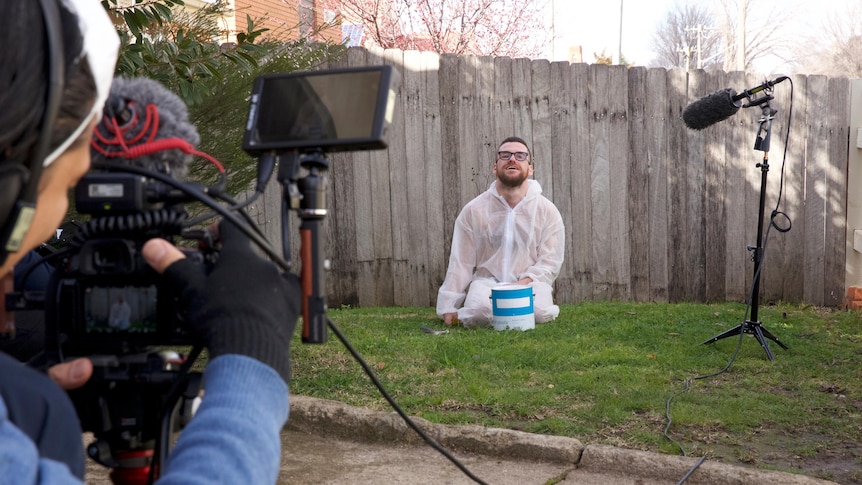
{"x": 603, "y": 373}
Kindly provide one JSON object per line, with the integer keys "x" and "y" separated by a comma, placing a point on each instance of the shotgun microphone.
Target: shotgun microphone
{"x": 711, "y": 109}
{"x": 720, "y": 105}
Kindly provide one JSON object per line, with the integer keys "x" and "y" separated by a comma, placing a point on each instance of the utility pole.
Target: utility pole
{"x": 553, "y": 31}
{"x": 699, "y": 33}
{"x": 686, "y": 51}
{"x": 620, "y": 44}
{"x": 740, "y": 37}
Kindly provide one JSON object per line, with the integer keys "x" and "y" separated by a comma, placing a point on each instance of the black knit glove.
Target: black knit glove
{"x": 245, "y": 305}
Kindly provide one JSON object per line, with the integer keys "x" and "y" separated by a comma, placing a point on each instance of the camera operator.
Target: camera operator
{"x": 244, "y": 310}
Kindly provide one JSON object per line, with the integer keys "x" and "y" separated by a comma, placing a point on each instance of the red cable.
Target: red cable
{"x": 151, "y": 126}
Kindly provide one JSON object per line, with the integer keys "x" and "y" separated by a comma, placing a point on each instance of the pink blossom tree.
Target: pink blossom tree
{"x": 514, "y": 28}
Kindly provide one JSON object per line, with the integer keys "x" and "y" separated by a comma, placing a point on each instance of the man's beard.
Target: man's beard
{"x": 512, "y": 180}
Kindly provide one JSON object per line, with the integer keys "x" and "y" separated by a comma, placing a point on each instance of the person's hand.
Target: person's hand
{"x": 160, "y": 254}
{"x": 450, "y": 319}
{"x": 244, "y": 305}
{"x": 73, "y": 374}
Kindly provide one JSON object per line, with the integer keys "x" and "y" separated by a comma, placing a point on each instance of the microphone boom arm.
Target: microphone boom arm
{"x": 766, "y": 87}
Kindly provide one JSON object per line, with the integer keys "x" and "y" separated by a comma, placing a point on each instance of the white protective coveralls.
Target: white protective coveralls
{"x": 494, "y": 244}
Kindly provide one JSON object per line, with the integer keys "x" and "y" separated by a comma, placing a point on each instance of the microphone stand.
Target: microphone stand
{"x": 753, "y": 325}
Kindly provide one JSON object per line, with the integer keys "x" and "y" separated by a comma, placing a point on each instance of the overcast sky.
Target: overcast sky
{"x": 595, "y": 25}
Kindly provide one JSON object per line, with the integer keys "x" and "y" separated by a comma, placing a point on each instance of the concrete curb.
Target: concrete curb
{"x": 657, "y": 466}
{"x": 332, "y": 418}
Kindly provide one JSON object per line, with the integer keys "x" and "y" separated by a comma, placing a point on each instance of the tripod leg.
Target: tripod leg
{"x": 729, "y": 333}
{"x": 772, "y": 337}
{"x": 758, "y": 334}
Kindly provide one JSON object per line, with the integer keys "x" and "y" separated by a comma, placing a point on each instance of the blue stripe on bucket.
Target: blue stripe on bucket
{"x": 512, "y": 301}
{"x": 510, "y": 312}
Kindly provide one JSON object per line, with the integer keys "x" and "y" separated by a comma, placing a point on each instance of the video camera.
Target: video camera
{"x": 104, "y": 302}
{"x": 104, "y": 297}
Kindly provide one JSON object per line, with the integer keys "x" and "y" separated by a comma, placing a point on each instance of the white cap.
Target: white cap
{"x": 101, "y": 46}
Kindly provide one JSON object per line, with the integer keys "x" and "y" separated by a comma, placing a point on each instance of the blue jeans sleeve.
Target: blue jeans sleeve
{"x": 235, "y": 436}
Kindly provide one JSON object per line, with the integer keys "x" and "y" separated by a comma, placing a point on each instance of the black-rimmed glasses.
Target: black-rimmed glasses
{"x": 519, "y": 156}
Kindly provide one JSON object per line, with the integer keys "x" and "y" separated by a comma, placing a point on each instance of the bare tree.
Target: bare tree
{"x": 727, "y": 30}
{"x": 743, "y": 21}
{"x": 688, "y": 38}
{"x": 837, "y": 50}
{"x": 514, "y": 28}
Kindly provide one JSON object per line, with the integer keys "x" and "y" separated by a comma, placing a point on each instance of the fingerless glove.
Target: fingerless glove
{"x": 242, "y": 304}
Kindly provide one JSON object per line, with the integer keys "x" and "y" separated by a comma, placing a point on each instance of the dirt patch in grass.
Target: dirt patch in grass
{"x": 806, "y": 453}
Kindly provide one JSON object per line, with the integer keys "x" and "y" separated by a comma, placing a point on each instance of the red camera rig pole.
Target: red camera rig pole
{"x": 307, "y": 195}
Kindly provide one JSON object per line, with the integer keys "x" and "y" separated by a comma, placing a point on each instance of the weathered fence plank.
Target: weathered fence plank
{"x": 792, "y": 203}
{"x": 396, "y": 157}
{"x": 740, "y": 160}
{"x": 409, "y": 223}
{"x": 471, "y": 175}
{"x": 375, "y": 265}
{"x": 600, "y": 183}
{"x": 436, "y": 225}
{"x": 836, "y": 188}
{"x": 560, "y": 169}
{"x": 619, "y": 185}
{"x": 484, "y": 141}
{"x": 816, "y": 190}
{"x": 714, "y": 216}
{"x": 522, "y": 90}
{"x": 450, "y": 143}
{"x": 581, "y": 216}
{"x": 677, "y": 154}
{"x": 541, "y": 119}
{"x": 638, "y": 190}
{"x": 655, "y": 207}
{"x": 503, "y": 114}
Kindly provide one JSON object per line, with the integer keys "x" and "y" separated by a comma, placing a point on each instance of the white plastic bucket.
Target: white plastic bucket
{"x": 512, "y": 308}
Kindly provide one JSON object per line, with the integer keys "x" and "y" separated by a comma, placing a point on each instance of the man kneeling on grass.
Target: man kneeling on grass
{"x": 510, "y": 234}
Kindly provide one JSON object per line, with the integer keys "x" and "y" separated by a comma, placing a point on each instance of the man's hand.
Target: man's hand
{"x": 73, "y": 374}
{"x": 450, "y": 319}
{"x": 160, "y": 254}
{"x": 242, "y": 305}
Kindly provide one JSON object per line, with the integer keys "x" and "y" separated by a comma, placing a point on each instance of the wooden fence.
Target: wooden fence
{"x": 653, "y": 211}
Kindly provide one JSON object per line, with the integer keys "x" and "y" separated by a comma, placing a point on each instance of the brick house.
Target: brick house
{"x": 285, "y": 20}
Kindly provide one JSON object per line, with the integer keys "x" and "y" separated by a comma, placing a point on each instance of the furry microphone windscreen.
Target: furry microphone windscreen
{"x": 710, "y": 109}
{"x": 147, "y": 126}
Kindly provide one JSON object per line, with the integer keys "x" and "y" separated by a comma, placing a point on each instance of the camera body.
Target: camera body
{"x": 104, "y": 302}
{"x": 107, "y": 299}
{"x": 103, "y": 297}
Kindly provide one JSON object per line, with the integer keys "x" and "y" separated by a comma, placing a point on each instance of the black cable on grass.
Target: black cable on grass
{"x": 431, "y": 442}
